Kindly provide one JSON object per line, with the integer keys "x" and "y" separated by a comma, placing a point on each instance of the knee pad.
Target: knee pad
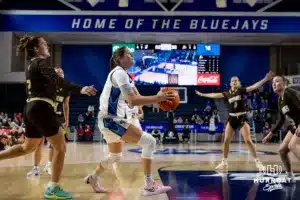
{"x": 111, "y": 159}
{"x": 148, "y": 144}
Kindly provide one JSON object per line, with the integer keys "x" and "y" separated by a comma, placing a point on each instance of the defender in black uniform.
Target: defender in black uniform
{"x": 39, "y": 114}
{"x": 289, "y": 107}
{"x": 237, "y": 117}
{"x": 62, "y": 100}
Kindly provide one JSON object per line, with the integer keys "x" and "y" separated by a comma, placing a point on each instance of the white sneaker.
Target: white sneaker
{"x": 48, "y": 169}
{"x": 34, "y": 172}
{"x": 155, "y": 189}
{"x": 291, "y": 177}
{"x": 93, "y": 181}
{"x": 259, "y": 165}
{"x": 223, "y": 166}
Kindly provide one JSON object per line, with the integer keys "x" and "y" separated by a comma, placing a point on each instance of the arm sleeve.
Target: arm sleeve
{"x": 50, "y": 74}
{"x": 243, "y": 90}
{"x": 279, "y": 123}
{"x": 121, "y": 79}
{"x": 293, "y": 99}
{"x": 225, "y": 94}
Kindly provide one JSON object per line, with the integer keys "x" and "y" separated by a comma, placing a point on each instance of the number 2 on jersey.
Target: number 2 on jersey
{"x": 28, "y": 82}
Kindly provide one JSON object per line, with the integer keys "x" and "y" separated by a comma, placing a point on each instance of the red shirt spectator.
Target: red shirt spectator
{"x": 19, "y": 117}
{"x": 80, "y": 131}
{"x": 88, "y": 130}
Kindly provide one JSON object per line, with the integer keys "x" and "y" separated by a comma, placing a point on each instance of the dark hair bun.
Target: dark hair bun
{"x": 23, "y": 44}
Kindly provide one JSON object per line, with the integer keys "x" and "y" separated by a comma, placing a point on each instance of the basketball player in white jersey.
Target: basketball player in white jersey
{"x": 119, "y": 93}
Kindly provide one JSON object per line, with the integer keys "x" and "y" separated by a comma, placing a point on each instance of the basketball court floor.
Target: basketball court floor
{"x": 189, "y": 169}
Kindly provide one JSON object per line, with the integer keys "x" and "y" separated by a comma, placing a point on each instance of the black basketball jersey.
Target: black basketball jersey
{"x": 42, "y": 81}
{"x": 60, "y": 98}
{"x": 2, "y": 146}
{"x": 289, "y": 106}
{"x": 235, "y": 99}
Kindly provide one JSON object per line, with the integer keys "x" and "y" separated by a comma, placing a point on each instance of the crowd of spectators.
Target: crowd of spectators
{"x": 86, "y": 125}
{"x": 11, "y": 130}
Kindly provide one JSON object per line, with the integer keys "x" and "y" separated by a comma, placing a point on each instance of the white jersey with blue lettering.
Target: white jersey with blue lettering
{"x": 112, "y": 101}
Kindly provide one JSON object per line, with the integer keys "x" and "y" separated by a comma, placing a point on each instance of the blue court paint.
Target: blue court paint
{"x": 237, "y": 185}
{"x": 174, "y": 151}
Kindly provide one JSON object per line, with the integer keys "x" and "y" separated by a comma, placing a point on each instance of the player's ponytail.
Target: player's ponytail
{"x": 28, "y": 44}
{"x": 112, "y": 62}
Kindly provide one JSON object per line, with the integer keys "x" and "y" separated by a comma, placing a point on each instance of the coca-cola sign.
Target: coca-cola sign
{"x": 208, "y": 79}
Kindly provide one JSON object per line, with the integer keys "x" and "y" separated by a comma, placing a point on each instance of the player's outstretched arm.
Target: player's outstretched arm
{"x": 210, "y": 95}
{"x": 258, "y": 84}
{"x": 50, "y": 74}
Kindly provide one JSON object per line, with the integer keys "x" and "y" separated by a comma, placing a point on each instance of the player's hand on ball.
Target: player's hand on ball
{"x": 165, "y": 96}
{"x": 88, "y": 90}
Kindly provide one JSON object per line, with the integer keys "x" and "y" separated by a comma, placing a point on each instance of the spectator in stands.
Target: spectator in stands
{"x": 208, "y": 108}
{"x": 80, "y": 133}
{"x": 80, "y": 119}
{"x": 216, "y": 116}
{"x": 263, "y": 105}
{"x": 1, "y": 116}
{"x": 157, "y": 135}
{"x": 266, "y": 128}
{"x": 88, "y": 133}
{"x": 186, "y": 134}
{"x": 89, "y": 119}
{"x": 170, "y": 137}
{"x": 198, "y": 120}
{"x": 5, "y": 123}
{"x": 3, "y": 141}
{"x": 206, "y": 120}
{"x": 91, "y": 108}
{"x": 194, "y": 118}
{"x": 19, "y": 117}
{"x": 179, "y": 120}
{"x": 16, "y": 121}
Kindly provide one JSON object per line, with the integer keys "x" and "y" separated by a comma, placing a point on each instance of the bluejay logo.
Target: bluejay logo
{"x": 272, "y": 177}
{"x": 165, "y": 5}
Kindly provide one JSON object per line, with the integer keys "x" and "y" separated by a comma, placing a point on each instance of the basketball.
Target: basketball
{"x": 172, "y": 104}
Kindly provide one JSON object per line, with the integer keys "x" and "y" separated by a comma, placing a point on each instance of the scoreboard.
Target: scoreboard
{"x": 175, "y": 64}
{"x": 209, "y": 59}
{"x": 208, "y": 65}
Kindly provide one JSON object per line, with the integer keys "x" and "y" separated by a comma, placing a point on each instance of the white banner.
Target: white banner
{"x": 294, "y": 80}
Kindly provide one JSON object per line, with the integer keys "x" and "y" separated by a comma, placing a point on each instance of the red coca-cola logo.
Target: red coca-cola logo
{"x": 208, "y": 79}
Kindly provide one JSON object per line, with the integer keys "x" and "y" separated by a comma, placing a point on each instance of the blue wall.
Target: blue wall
{"x": 249, "y": 63}
{"x": 86, "y": 64}
{"x": 89, "y": 64}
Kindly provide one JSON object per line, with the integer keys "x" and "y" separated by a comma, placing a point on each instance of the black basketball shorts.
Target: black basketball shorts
{"x": 292, "y": 129}
{"x": 237, "y": 122}
{"x": 40, "y": 120}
